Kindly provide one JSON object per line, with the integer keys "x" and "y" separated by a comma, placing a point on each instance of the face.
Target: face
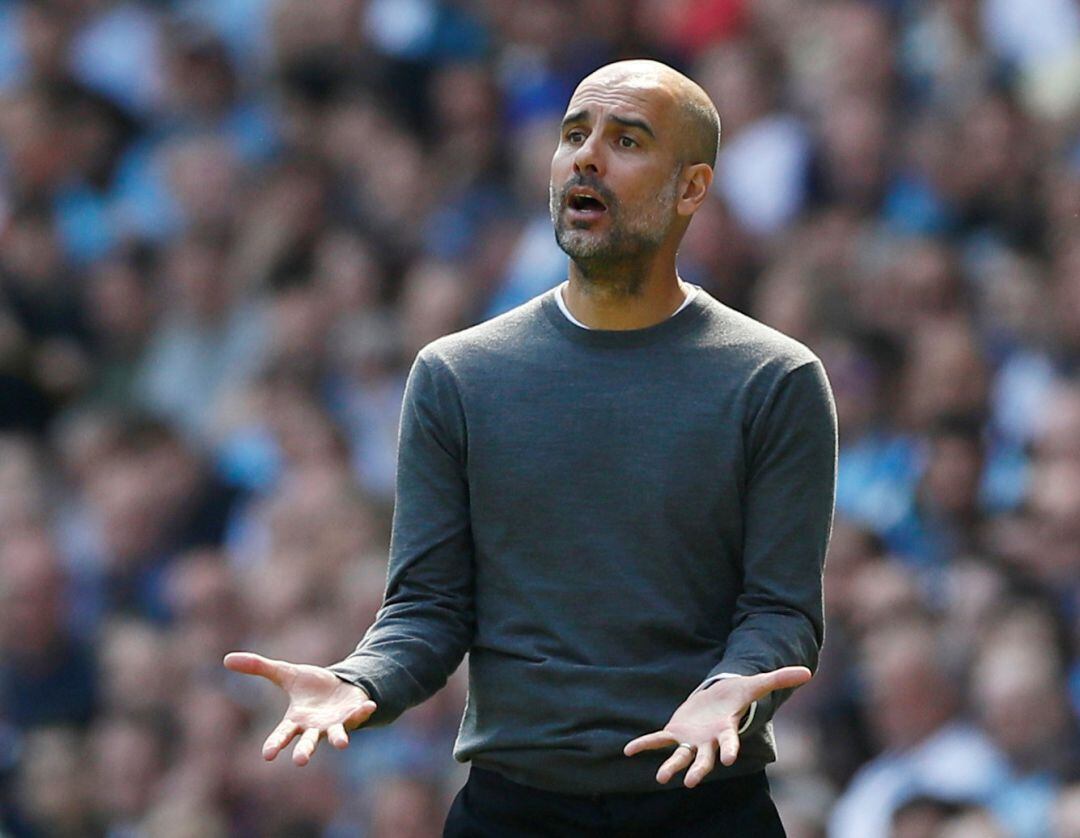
{"x": 615, "y": 176}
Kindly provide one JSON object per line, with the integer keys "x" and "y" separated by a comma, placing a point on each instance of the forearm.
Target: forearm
{"x": 763, "y": 643}
{"x": 408, "y": 654}
{"x": 768, "y": 639}
{"x": 779, "y": 616}
{"x": 427, "y": 620}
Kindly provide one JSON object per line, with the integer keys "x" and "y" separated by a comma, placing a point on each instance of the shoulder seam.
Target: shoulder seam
{"x": 770, "y": 397}
{"x": 428, "y": 358}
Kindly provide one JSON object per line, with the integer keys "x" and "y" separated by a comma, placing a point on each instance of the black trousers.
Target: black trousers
{"x": 490, "y": 806}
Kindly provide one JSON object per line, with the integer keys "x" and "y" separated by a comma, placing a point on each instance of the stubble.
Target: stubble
{"x": 614, "y": 261}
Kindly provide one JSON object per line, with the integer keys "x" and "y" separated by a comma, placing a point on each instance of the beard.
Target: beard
{"x": 630, "y": 235}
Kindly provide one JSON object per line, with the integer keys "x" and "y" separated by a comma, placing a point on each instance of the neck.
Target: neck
{"x": 623, "y": 296}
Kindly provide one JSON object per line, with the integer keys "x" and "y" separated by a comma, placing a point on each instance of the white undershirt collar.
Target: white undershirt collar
{"x": 693, "y": 289}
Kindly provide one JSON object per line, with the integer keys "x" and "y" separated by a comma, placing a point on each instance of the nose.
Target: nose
{"x": 588, "y": 158}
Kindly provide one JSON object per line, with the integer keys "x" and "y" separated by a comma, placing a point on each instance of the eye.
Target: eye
{"x": 575, "y": 136}
{"x": 627, "y": 142}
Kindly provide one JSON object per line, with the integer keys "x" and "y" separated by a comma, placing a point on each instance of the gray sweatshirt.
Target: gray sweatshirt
{"x": 602, "y": 520}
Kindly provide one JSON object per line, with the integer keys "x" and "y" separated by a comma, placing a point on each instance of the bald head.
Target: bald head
{"x": 698, "y": 121}
{"x": 638, "y": 143}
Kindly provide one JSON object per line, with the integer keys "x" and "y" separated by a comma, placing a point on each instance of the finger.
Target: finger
{"x": 729, "y": 746}
{"x": 674, "y": 764}
{"x": 336, "y": 736}
{"x": 360, "y": 715}
{"x": 703, "y": 764}
{"x": 650, "y": 742}
{"x": 305, "y": 748}
{"x": 283, "y": 734}
{"x": 785, "y": 678}
{"x": 249, "y": 663}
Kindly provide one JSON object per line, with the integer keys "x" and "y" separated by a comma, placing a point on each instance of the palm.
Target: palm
{"x": 320, "y": 704}
{"x": 706, "y": 724}
{"x": 318, "y": 698}
{"x": 699, "y": 719}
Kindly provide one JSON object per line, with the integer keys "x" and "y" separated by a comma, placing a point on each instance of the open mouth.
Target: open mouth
{"x": 585, "y": 202}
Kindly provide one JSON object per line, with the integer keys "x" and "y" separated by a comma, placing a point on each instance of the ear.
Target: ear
{"x": 696, "y": 180}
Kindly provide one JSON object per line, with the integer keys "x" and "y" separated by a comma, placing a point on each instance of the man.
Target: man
{"x": 617, "y": 499}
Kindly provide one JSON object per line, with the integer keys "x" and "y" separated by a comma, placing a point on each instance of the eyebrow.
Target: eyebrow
{"x": 627, "y": 121}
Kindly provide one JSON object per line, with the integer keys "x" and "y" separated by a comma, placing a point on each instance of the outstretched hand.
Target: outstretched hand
{"x": 708, "y": 722}
{"x": 320, "y": 704}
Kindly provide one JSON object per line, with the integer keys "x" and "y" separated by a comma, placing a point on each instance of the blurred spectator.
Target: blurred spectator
{"x": 923, "y": 816}
{"x": 123, "y": 313}
{"x": 1006, "y": 677}
{"x": 405, "y": 807}
{"x": 762, "y": 167}
{"x": 913, "y": 710}
{"x": 47, "y": 675}
{"x": 126, "y": 759}
{"x": 1066, "y": 814}
{"x": 207, "y": 343}
{"x": 53, "y": 790}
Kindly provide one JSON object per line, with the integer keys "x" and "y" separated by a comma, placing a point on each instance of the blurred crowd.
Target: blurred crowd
{"x": 227, "y": 226}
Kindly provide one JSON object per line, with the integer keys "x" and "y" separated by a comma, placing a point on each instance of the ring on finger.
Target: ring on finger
{"x": 691, "y": 748}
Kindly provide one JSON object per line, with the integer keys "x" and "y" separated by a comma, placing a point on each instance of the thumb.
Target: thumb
{"x": 785, "y": 678}
{"x": 360, "y": 715}
{"x": 248, "y": 663}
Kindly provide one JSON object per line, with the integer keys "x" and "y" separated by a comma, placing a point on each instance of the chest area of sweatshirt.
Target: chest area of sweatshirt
{"x": 620, "y": 430}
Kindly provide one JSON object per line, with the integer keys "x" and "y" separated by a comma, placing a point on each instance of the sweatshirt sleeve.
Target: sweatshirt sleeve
{"x": 426, "y": 622}
{"x": 791, "y": 479}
